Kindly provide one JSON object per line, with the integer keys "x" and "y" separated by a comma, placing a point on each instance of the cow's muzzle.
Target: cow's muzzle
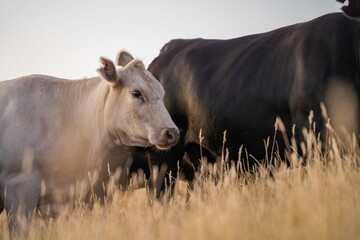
{"x": 168, "y": 137}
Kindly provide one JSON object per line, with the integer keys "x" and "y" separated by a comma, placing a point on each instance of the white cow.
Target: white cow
{"x": 54, "y": 132}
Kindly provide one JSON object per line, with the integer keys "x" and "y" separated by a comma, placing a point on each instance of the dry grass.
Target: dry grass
{"x": 318, "y": 201}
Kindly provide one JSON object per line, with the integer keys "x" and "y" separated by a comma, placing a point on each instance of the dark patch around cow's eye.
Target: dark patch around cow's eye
{"x": 137, "y": 94}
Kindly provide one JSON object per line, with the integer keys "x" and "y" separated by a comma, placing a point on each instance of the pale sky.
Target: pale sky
{"x": 65, "y": 38}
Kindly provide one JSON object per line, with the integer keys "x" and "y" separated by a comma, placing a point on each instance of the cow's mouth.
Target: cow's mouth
{"x": 163, "y": 147}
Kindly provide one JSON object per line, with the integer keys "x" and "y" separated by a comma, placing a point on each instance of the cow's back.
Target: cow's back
{"x": 20, "y": 111}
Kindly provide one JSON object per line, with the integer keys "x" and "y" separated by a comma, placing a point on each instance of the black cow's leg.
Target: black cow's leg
{"x": 301, "y": 122}
{"x": 191, "y": 163}
{"x": 195, "y": 154}
{"x": 171, "y": 168}
{"x": 1, "y": 204}
{"x": 313, "y": 122}
{"x": 163, "y": 176}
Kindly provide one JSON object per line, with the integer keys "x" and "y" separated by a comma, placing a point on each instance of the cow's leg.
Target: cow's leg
{"x": 167, "y": 169}
{"x": 21, "y": 194}
{"x": 1, "y": 204}
{"x": 195, "y": 155}
{"x": 311, "y": 120}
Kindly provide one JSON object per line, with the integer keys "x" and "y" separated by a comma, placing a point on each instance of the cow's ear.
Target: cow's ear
{"x": 123, "y": 58}
{"x": 107, "y": 71}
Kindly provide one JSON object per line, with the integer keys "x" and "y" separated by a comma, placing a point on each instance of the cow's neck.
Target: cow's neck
{"x": 88, "y": 115}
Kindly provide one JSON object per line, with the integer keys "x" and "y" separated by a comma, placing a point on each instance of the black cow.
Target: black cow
{"x": 242, "y": 85}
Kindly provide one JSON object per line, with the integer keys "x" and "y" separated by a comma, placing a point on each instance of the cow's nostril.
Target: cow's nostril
{"x": 172, "y": 135}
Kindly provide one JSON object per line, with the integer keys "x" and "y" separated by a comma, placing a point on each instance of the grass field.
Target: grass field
{"x": 318, "y": 201}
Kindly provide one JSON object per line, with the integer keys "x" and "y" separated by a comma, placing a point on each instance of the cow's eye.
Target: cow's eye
{"x": 136, "y": 94}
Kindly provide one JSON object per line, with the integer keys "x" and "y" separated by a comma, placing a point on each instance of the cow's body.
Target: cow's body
{"x": 241, "y": 85}
{"x": 54, "y": 132}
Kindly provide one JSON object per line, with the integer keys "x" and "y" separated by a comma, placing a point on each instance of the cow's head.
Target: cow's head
{"x": 135, "y": 114}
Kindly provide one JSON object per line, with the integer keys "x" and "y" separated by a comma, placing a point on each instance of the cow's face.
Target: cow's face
{"x": 135, "y": 114}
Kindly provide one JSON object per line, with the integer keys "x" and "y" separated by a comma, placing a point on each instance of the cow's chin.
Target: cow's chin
{"x": 163, "y": 147}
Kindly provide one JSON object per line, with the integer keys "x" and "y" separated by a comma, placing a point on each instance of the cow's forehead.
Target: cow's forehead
{"x": 136, "y": 73}
{"x": 153, "y": 84}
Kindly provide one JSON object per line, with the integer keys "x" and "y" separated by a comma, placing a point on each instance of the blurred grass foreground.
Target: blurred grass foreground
{"x": 318, "y": 200}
